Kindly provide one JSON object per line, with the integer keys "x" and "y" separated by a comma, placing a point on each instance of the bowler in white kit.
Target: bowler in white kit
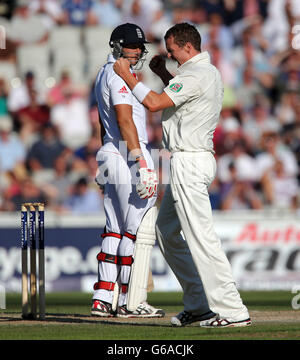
{"x": 191, "y": 104}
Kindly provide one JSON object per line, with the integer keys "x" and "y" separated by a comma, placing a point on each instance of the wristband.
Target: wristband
{"x": 137, "y": 158}
{"x": 141, "y": 161}
{"x": 140, "y": 91}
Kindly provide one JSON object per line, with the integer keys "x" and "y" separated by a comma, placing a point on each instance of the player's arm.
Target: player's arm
{"x": 156, "y": 102}
{"x": 147, "y": 184}
{"x": 150, "y": 99}
{"x": 127, "y": 128}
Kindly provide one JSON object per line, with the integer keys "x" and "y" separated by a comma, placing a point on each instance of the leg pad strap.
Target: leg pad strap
{"x": 114, "y": 259}
{"x": 105, "y": 285}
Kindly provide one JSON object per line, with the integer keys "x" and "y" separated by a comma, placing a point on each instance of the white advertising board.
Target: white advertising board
{"x": 264, "y": 253}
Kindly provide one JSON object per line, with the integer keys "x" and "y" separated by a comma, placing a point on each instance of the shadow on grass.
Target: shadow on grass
{"x": 82, "y": 319}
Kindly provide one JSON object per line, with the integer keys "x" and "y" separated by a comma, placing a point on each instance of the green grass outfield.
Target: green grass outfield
{"x": 68, "y": 318}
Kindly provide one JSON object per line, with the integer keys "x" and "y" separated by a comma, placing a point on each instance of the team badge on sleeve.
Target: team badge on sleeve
{"x": 176, "y": 87}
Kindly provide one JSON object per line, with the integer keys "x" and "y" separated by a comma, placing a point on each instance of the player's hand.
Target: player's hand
{"x": 158, "y": 65}
{"x": 147, "y": 184}
{"x": 122, "y": 66}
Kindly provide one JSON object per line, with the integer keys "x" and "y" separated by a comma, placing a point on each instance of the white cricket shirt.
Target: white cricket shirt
{"x": 197, "y": 92}
{"x": 111, "y": 90}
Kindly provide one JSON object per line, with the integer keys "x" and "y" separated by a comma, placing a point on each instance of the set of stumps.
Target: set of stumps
{"x": 33, "y": 234}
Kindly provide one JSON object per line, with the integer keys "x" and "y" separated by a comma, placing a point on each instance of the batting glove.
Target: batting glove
{"x": 147, "y": 184}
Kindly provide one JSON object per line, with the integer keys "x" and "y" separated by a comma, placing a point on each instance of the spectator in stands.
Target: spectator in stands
{"x": 218, "y": 34}
{"x": 26, "y": 28}
{"x": 32, "y": 118}
{"x": 259, "y": 121}
{"x": 10, "y": 187}
{"x": 158, "y": 27}
{"x": 236, "y": 10}
{"x": 12, "y": 150}
{"x": 85, "y": 160}
{"x": 50, "y": 12}
{"x": 282, "y": 15}
{"x": 228, "y": 132}
{"x": 78, "y": 12}
{"x": 237, "y": 165}
{"x": 45, "y": 150}
{"x": 29, "y": 192}
{"x": 141, "y": 12}
{"x": 258, "y": 39}
{"x": 238, "y": 194}
{"x": 4, "y": 91}
{"x": 284, "y": 109}
{"x": 290, "y": 136}
{"x": 248, "y": 90}
{"x": 83, "y": 199}
{"x": 273, "y": 150}
{"x": 280, "y": 189}
{"x": 222, "y": 64}
{"x": 90, "y": 148}
{"x": 199, "y": 18}
{"x": 92, "y": 168}
{"x": 247, "y": 54}
{"x": 56, "y": 95}
{"x": 170, "y": 5}
{"x": 58, "y": 188}
{"x": 215, "y": 195}
{"x": 107, "y": 13}
{"x": 72, "y": 120}
{"x": 288, "y": 79}
{"x": 211, "y": 6}
{"x": 155, "y": 136}
{"x": 19, "y": 95}
{"x": 181, "y": 13}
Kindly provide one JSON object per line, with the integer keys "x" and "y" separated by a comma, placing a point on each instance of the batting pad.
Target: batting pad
{"x": 145, "y": 240}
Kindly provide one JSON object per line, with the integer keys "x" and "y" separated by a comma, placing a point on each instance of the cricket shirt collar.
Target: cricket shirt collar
{"x": 202, "y": 57}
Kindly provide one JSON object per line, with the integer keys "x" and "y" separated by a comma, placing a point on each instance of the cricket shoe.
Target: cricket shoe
{"x": 218, "y": 322}
{"x": 144, "y": 310}
{"x": 186, "y": 318}
{"x": 101, "y": 308}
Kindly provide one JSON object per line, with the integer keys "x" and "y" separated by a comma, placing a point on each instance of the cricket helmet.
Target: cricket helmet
{"x": 128, "y": 34}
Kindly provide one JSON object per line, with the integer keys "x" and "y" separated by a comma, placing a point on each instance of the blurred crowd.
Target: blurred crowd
{"x": 49, "y": 135}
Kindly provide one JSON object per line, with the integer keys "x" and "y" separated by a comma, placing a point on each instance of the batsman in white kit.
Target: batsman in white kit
{"x": 126, "y": 171}
{"x": 191, "y": 104}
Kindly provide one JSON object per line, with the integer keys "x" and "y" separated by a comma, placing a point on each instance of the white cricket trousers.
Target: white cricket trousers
{"x": 124, "y": 210}
{"x": 186, "y": 206}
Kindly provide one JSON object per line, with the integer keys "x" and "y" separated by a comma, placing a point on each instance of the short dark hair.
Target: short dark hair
{"x": 183, "y": 33}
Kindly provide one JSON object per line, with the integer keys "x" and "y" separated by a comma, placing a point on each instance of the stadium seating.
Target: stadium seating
{"x": 71, "y": 59}
{"x": 34, "y": 58}
{"x": 8, "y": 70}
{"x": 95, "y": 40}
{"x": 66, "y": 36}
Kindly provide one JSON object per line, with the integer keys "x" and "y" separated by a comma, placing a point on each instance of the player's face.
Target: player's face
{"x": 132, "y": 53}
{"x": 176, "y": 52}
